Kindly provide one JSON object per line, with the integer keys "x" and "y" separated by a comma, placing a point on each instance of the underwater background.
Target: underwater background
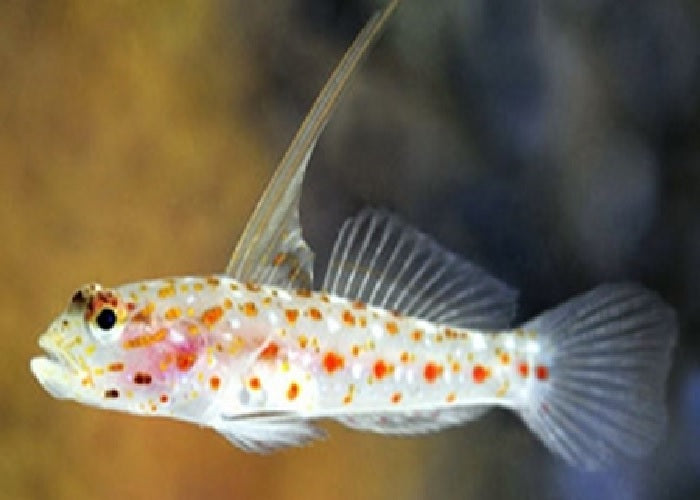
{"x": 555, "y": 143}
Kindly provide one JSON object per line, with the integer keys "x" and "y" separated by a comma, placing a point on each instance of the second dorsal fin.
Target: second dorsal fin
{"x": 380, "y": 260}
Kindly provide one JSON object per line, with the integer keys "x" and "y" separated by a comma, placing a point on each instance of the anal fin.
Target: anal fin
{"x": 416, "y": 422}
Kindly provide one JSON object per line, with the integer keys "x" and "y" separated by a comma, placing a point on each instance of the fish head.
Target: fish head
{"x": 84, "y": 355}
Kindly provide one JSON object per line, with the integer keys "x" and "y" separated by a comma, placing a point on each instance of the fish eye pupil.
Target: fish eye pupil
{"x": 106, "y": 319}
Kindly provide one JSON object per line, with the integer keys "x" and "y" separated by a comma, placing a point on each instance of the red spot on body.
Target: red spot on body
{"x": 523, "y": 369}
{"x": 254, "y": 383}
{"x": 380, "y": 369}
{"x": 541, "y": 372}
{"x": 479, "y": 374}
{"x": 164, "y": 398}
{"x": 115, "y": 367}
{"x": 214, "y": 383}
{"x": 270, "y": 351}
{"x": 185, "y": 360}
{"x": 333, "y": 361}
{"x": 432, "y": 371}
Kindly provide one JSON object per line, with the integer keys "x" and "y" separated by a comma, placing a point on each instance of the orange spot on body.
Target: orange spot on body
{"x": 505, "y": 358}
{"x": 315, "y": 314}
{"x": 456, "y": 367}
{"x": 173, "y": 313}
{"x": 166, "y": 291}
{"x": 405, "y": 357}
{"x": 214, "y": 383}
{"x": 355, "y": 350}
{"x": 541, "y": 372}
{"x": 304, "y": 293}
{"x": 228, "y": 303}
{"x": 359, "y": 305}
{"x": 252, "y": 287}
{"x": 451, "y": 397}
{"x": 116, "y": 367}
{"x": 417, "y": 335}
{"x": 250, "y": 309}
{"x": 479, "y": 374}
{"x": 146, "y": 339}
{"x": 212, "y": 315}
{"x": 432, "y": 371}
{"x": 293, "y": 391}
{"x": 333, "y": 362}
{"x": 523, "y": 369}
{"x": 144, "y": 315}
{"x": 291, "y": 315}
{"x": 348, "y": 318}
{"x": 163, "y": 398}
{"x": 184, "y": 361}
{"x": 392, "y": 328}
{"x": 254, "y": 383}
{"x": 396, "y": 398}
{"x": 166, "y": 361}
{"x": 303, "y": 341}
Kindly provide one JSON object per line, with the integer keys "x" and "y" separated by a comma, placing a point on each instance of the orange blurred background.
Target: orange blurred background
{"x": 136, "y": 137}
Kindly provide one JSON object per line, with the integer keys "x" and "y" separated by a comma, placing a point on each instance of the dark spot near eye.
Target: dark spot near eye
{"x": 78, "y": 298}
{"x": 111, "y": 393}
{"x": 142, "y": 378}
{"x": 106, "y": 319}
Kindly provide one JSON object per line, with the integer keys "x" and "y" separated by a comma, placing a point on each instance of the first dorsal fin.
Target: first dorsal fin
{"x": 272, "y": 249}
{"x": 381, "y": 261}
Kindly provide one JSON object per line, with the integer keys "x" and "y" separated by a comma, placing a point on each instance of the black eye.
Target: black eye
{"x": 106, "y": 319}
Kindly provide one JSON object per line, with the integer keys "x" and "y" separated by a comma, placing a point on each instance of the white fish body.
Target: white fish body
{"x": 405, "y": 337}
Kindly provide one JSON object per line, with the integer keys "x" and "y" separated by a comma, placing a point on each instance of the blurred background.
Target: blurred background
{"x": 556, "y": 143}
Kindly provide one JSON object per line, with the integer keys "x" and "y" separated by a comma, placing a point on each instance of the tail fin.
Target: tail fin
{"x": 608, "y": 354}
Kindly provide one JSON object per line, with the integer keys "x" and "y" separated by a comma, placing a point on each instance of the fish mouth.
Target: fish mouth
{"x": 56, "y": 371}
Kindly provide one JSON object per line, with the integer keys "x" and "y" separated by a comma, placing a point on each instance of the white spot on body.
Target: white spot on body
{"x": 478, "y": 341}
{"x": 509, "y": 343}
{"x": 176, "y": 336}
{"x": 273, "y": 318}
{"x": 332, "y": 325}
{"x": 532, "y": 347}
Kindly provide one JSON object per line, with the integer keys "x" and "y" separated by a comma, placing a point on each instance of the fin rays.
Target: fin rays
{"x": 410, "y": 273}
